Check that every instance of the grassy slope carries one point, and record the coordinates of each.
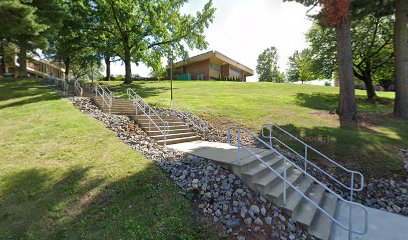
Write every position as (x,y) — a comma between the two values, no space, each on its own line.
(63,175)
(302,109)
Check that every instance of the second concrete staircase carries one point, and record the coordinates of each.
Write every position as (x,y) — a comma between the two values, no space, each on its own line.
(164,129)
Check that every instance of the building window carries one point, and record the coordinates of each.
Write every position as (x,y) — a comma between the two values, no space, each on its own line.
(215,67)
(235,72)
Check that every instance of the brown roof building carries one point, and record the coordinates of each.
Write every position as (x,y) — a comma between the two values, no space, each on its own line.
(211,66)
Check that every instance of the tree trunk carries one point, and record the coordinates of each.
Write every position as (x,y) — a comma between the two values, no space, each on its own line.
(22,60)
(3,59)
(347,109)
(108,68)
(368,81)
(128,67)
(67,63)
(401,59)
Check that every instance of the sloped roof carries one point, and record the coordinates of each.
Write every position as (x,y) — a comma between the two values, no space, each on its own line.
(218,58)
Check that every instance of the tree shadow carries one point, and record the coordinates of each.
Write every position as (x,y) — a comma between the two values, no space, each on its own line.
(358,149)
(140,88)
(32,203)
(29,90)
(143,205)
(329,101)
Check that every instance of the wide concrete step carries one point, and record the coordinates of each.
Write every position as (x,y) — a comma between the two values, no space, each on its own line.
(276,191)
(251,161)
(173,136)
(143,117)
(294,198)
(154,128)
(156,120)
(260,171)
(322,224)
(161,124)
(305,212)
(172,131)
(179,140)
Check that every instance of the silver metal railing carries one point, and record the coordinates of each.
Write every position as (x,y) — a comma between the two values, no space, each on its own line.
(148,111)
(77,87)
(183,109)
(306,160)
(61,83)
(105,95)
(351,204)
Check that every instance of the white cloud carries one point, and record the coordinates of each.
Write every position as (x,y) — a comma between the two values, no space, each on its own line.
(242,29)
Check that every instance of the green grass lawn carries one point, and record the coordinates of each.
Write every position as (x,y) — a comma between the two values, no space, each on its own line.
(302,109)
(63,175)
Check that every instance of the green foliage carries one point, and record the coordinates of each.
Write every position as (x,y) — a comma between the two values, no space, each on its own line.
(145,31)
(301,67)
(267,66)
(322,42)
(371,44)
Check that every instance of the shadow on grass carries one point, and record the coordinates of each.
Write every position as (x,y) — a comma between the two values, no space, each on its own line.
(29,90)
(139,88)
(329,101)
(372,153)
(145,205)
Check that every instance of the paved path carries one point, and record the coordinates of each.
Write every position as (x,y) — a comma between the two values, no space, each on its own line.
(382,225)
(222,153)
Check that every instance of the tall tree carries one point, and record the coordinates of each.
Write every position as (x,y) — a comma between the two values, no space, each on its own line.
(301,66)
(401,58)
(372,37)
(267,66)
(71,45)
(336,13)
(47,18)
(144,31)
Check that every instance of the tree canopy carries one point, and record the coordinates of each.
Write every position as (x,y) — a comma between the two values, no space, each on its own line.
(267,66)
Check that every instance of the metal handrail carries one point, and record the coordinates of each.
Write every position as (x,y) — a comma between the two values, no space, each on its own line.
(148,111)
(285,181)
(306,161)
(106,97)
(77,86)
(175,102)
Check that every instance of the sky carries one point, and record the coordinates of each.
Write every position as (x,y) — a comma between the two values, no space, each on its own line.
(242,29)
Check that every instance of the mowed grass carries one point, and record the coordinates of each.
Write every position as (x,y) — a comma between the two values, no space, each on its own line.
(63,175)
(372,148)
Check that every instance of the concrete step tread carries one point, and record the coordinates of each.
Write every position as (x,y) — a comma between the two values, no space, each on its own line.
(292,176)
(306,211)
(322,225)
(260,168)
(252,159)
(294,198)
(170,131)
(161,124)
(175,135)
(179,140)
(272,176)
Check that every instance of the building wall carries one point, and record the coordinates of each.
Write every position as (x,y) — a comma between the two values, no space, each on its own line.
(197,68)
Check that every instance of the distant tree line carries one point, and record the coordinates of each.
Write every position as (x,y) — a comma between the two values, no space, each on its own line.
(82,33)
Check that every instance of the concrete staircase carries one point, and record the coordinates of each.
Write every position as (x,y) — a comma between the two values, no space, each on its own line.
(260,178)
(178,131)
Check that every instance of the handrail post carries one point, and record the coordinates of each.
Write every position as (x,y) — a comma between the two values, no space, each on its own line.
(305,158)
(352,186)
(284,183)
(229,136)
(239,145)
(270,135)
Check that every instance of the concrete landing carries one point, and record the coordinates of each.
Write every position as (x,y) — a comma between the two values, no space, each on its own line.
(222,153)
(382,225)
